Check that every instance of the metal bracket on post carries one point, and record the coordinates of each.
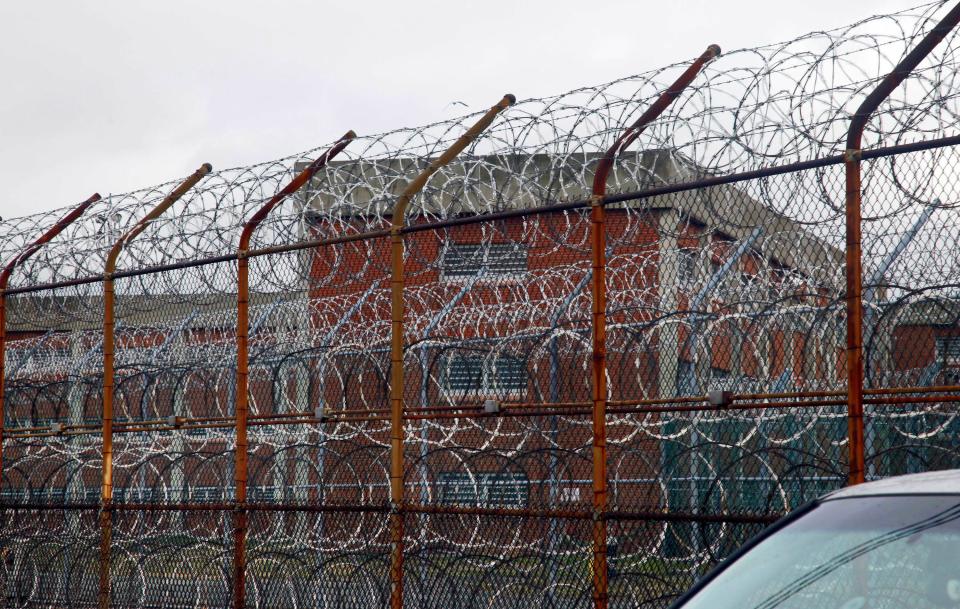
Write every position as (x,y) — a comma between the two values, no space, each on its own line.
(720,397)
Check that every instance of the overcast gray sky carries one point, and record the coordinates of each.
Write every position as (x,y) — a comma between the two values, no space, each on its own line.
(113,95)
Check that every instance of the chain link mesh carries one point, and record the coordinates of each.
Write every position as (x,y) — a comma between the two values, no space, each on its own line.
(716,283)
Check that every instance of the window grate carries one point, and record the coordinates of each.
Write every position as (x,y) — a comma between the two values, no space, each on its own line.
(483,374)
(501,489)
(948,348)
(687,268)
(463,260)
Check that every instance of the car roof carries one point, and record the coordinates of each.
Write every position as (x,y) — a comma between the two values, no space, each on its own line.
(945,482)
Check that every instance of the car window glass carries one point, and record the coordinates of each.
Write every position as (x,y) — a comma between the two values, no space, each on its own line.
(860,553)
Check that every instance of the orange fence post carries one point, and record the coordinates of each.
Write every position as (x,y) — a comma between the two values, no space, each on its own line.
(106,495)
(5,274)
(243,359)
(598,250)
(396,342)
(854,283)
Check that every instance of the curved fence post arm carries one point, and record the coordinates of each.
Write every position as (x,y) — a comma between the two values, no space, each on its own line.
(243,358)
(397,222)
(854,279)
(110,267)
(598,247)
(634,131)
(5,274)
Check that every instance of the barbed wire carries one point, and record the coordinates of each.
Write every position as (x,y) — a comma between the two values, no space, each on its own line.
(734,287)
(782,103)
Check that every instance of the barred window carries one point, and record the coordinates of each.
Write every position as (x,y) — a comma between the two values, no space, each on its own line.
(255,493)
(261,494)
(57,494)
(948,349)
(31,422)
(464,260)
(13,495)
(208,494)
(687,271)
(142,494)
(485,489)
(479,373)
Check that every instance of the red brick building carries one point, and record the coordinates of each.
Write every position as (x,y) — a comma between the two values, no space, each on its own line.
(706,289)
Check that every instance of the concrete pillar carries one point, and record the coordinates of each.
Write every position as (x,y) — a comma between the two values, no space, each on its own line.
(668,347)
(76,393)
(178,444)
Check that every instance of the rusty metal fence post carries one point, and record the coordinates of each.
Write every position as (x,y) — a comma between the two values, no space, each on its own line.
(106,495)
(5,274)
(243,360)
(396,341)
(598,250)
(854,278)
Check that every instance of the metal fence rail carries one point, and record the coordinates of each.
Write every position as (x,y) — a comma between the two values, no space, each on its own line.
(495,360)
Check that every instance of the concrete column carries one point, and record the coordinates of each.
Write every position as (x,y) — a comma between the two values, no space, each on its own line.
(178,444)
(76,392)
(668,347)
(701,365)
(301,402)
(668,339)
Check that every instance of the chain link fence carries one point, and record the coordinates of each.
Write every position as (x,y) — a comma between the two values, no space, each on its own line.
(435,368)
